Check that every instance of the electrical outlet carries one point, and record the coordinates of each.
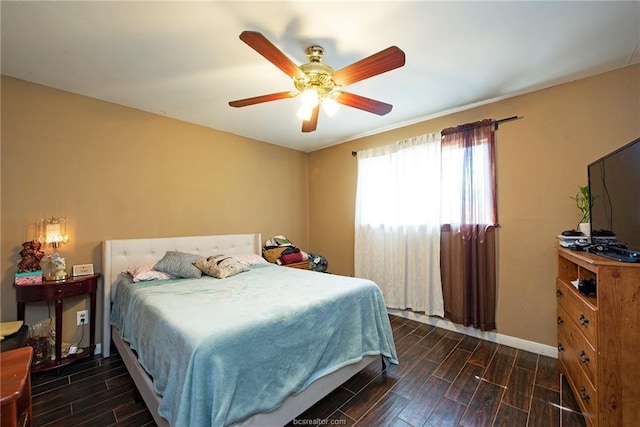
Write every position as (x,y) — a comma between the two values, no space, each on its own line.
(82,317)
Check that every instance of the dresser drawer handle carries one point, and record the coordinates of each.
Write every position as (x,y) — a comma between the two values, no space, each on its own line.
(558,293)
(583,320)
(583,357)
(560,348)
(560,321)
(584,394)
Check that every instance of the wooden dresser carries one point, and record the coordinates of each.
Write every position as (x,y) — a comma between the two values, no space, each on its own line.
(15,383)
(599,337)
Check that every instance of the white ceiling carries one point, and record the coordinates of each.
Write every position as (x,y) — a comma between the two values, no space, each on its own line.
(184,59)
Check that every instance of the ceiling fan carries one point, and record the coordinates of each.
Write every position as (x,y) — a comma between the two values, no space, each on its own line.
(318,84)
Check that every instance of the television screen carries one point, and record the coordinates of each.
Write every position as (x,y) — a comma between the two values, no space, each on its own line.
(614,184)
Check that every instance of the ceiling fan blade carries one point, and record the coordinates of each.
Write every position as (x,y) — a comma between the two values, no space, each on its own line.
(378,63)
(264,47)
(311,124)
(260,99)
(365,104)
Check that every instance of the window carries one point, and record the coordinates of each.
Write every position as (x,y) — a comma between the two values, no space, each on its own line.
(397,227)
(467,184)
(398,185)
(406,192)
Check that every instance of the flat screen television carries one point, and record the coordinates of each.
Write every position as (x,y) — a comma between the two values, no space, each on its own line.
(614,185)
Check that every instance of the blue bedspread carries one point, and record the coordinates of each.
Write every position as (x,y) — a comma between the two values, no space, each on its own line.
(225,349)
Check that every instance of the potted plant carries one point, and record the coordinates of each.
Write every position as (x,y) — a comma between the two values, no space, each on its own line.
(583,202)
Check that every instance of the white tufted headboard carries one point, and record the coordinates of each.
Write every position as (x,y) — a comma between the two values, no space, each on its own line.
(117,255)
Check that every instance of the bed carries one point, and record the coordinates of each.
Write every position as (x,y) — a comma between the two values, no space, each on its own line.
(216,348)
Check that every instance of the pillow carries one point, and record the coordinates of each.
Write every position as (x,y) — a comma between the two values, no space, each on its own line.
(179,264)
(250,259)
(144,276)
(144,272)
(221,266)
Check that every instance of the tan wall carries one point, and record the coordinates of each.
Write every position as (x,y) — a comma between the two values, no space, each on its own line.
(115,172)
(542,159)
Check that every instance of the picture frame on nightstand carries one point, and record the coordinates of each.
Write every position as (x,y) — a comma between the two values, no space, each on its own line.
(82,270)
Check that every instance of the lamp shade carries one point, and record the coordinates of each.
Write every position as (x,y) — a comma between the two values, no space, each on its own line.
(53,231)
(330,106)
(309,98)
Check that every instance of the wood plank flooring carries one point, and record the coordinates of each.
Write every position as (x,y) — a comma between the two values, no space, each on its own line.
(444,379)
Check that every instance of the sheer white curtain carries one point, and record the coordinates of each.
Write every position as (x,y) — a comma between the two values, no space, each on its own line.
(397,226)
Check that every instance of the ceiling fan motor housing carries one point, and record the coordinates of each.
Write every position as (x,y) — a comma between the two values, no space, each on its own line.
(318,76)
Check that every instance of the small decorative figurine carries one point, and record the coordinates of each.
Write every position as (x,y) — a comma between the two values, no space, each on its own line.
(59,267)
(31,256)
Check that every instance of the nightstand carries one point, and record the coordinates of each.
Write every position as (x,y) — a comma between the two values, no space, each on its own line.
(57,291)
(303,265)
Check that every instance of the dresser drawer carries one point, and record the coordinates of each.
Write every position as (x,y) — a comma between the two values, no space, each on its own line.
(575,347)
(74,289)
(51,291)
(582,388)
(578,311)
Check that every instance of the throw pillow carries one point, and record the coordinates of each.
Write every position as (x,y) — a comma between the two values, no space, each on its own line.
(179,264)
(221,266)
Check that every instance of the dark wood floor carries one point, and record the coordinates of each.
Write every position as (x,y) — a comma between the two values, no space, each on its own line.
(444,379)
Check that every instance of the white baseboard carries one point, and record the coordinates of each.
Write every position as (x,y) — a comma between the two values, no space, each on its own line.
(534,347)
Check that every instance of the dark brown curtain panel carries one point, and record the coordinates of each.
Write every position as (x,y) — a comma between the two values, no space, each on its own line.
(468,269)
(468,241)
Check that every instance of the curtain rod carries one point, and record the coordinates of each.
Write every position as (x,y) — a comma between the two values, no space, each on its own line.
(508,119)
(496,123)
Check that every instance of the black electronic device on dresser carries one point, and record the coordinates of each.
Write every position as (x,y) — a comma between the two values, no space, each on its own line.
(614,185)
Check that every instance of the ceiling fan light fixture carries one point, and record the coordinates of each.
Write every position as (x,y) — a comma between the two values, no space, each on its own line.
(316,82)
(304,113)
(330,106)
(309,97)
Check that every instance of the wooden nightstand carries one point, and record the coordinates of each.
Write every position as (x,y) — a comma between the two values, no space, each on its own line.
(57,291)
(303,265)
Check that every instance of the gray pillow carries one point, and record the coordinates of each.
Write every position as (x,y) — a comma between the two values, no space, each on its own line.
(179,264)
